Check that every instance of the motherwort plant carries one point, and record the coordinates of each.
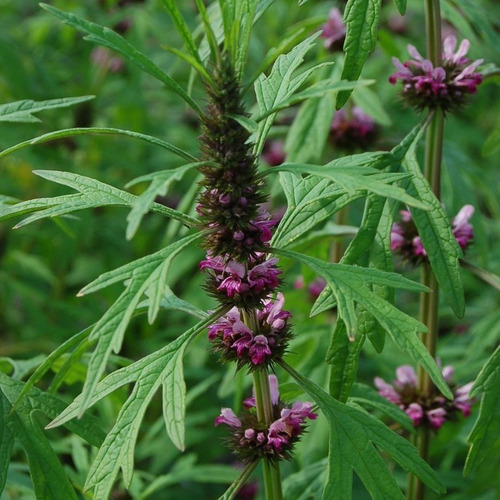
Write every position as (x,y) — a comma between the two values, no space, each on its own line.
(247,254)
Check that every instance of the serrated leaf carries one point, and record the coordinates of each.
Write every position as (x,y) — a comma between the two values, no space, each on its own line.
(22,111)
(107,37)
(160,183)
(485,436)
(355,178)
(309,202)
(149,374)
(367,396)
(343,356)
(348,284)
(22,423)
(92,194)
(437,238)
(279,86)
(69,132)
(352,436)
(361,19)
(145,275)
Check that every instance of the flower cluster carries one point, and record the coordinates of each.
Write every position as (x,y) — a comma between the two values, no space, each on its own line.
(252,439)
(244,285)
(406,241)
(352,129)
(237,342)
(432,411)
(447,86)
(334,31)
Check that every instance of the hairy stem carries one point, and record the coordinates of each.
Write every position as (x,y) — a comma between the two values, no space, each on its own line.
(429,301)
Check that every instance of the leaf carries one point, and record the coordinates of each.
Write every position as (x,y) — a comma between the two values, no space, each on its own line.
(231,492)
(361,19)
(160,183)
(92,193)
(279,86)
(352,436)
(437,238)
(485,436)
(367,396)
(343,357)
(355,178)
(370,103)
(309,202)
(22,111)
(22,424)
(401,5)
(306,483)
(145,275)
(107,37)
(348,284)
(149,373)
(97,131)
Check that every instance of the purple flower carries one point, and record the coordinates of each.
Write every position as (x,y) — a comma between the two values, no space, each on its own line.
(352,129)
(406,242)
(274,153)
(316,287)
(251,439)
(461,228)
(446,86)
(432,411)
(228,417)
(334,30)
(235,341)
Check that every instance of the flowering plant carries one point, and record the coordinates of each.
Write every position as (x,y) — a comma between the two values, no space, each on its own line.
(254,190)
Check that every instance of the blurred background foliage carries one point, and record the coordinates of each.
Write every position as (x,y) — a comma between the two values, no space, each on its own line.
(42,266)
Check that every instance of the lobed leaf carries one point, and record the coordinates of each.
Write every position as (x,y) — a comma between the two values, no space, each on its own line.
(352,436)
(348,285)
(22,111)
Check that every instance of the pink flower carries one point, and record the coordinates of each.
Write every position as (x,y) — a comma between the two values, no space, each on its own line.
(415,412)
(334,30)
(316,287)
(387,391)
(228,417)
(274,153)
(462,400)
(448,86)
(437,417)
(406,376)
(461,228)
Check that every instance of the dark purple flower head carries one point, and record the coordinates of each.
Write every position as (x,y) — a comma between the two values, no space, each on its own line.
(235,341)
(447,86)
(274,153)
(432,411)
(252,439)
(352,129)
(406,242)
(243,285)
(334,31)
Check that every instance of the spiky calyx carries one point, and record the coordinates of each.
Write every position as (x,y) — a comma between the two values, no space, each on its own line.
(228,206)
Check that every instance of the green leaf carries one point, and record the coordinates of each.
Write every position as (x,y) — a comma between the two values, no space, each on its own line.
(370,103)
(352,436)
(361,19)
(309,202)
(22,423)
(279,86)
(348,284)
(485,436)
(22,111)
(307,483)
(367,396)
(59,134)
(401,5)
(354,178)
(343,357)
(149,374)
(107,37)
(92,193)
(160,183)
(437,238)
(182,28)
(145,275)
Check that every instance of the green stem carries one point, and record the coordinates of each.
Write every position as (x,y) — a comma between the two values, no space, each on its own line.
(264,407)
(429,301)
